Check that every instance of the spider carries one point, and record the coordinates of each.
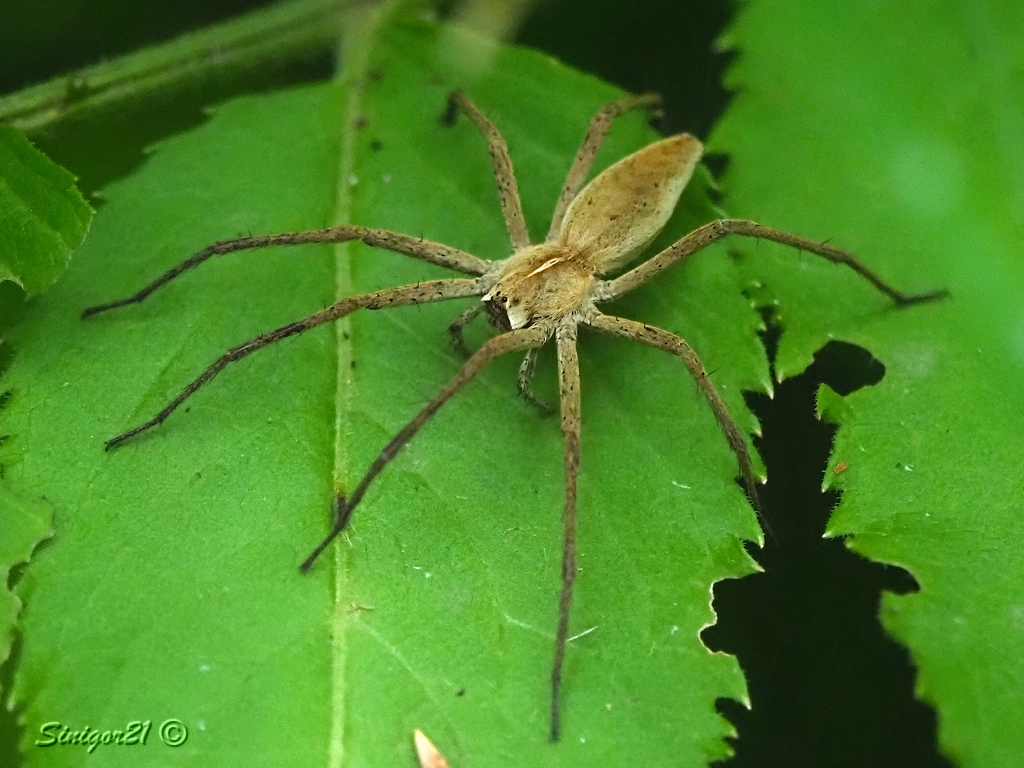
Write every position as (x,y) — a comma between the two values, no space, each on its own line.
(542,291)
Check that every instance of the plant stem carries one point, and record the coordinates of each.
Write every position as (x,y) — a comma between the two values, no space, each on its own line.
(296,29)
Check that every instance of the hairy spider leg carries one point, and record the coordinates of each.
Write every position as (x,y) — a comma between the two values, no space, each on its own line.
(419,293)
(655,337)
(513,341)
(713,231)
(569,392)
(426,250)
(585,155)
(504,176)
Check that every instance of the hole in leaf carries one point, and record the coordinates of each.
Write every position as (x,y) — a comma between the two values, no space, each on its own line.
(827,684)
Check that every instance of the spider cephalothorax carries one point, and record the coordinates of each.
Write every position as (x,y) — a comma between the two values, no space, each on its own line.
(540,282)
(541,291)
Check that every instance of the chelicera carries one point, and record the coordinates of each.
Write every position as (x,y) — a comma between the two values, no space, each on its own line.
(543,291)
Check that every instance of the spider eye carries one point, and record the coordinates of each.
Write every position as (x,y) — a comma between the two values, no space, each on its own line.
(515,302)
(497,314)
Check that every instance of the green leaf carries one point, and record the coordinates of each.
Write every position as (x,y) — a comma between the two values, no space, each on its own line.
(896,135)
(43,216)
(26,523)
(171,589)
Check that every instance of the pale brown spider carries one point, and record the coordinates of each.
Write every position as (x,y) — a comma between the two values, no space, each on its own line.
(541,291)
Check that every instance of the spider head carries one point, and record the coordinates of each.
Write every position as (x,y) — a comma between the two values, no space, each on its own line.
(540,282)
(496,304)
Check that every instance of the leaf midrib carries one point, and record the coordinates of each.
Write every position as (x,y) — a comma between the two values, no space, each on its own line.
(359,40)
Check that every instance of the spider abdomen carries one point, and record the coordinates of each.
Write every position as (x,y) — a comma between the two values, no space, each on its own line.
(624,207)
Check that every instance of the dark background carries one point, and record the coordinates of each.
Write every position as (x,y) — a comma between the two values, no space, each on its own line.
(829,688)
